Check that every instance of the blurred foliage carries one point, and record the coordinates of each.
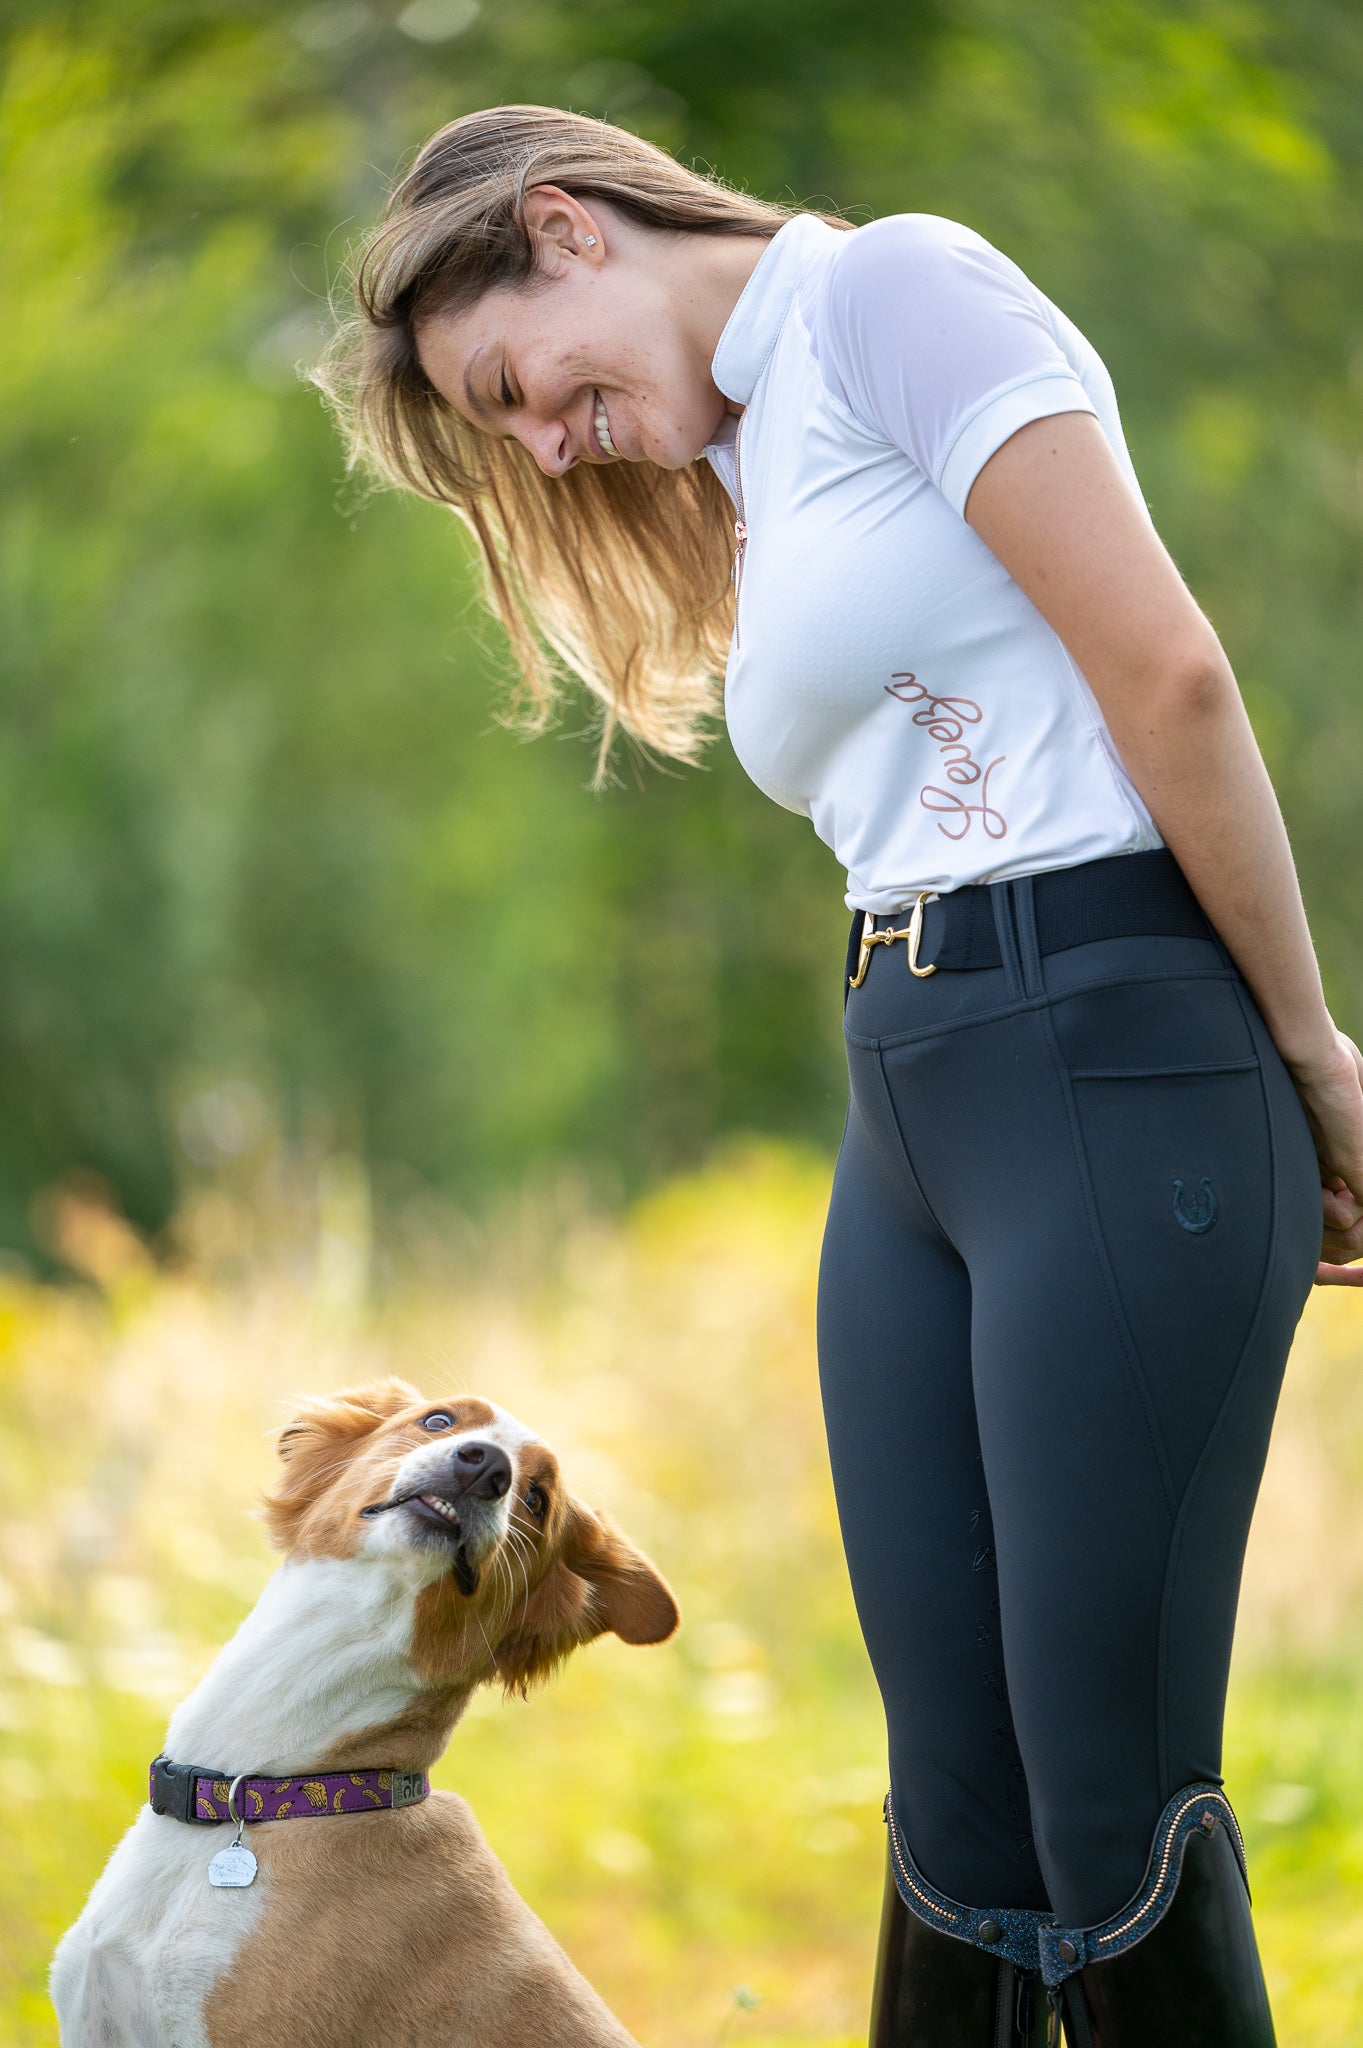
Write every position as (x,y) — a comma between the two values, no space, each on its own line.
(699,1823)
(268,863)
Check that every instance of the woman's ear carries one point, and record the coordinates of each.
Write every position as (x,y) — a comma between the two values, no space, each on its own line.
(560,225)
(630,1597)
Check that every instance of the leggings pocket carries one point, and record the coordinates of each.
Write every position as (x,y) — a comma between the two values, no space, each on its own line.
(1172,1118)
(1189,1024)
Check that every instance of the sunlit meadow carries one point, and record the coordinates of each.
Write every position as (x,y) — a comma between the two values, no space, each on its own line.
(700,1823)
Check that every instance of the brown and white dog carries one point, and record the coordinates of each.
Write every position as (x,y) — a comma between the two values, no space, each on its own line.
(472,1563)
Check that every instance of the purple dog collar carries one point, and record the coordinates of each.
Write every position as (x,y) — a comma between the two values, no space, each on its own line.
(190,1792)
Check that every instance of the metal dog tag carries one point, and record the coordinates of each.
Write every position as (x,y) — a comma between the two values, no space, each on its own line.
(233,1865)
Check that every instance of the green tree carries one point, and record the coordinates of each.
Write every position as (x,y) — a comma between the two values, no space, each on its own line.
(260,823)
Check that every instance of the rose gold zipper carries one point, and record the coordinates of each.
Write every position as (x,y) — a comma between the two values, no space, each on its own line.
(740,527)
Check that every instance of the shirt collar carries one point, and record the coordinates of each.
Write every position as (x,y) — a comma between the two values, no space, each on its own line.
(751,330)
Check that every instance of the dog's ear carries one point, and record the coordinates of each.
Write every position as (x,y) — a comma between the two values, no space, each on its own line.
(599,1584)
(314,1444)
(342,1417)
(629,1596)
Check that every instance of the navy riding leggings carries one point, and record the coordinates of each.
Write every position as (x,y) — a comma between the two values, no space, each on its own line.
(1075,1218)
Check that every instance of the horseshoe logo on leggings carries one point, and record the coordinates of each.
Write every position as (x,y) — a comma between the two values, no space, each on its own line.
(1196,1212)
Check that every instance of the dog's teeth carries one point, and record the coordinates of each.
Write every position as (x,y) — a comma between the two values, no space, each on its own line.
(442,1507)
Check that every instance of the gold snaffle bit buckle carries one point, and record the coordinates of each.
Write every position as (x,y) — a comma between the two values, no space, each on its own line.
(912,933)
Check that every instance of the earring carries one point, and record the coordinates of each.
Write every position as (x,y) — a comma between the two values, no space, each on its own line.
(591,241)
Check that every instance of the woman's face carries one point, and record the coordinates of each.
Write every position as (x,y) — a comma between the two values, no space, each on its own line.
(607,359)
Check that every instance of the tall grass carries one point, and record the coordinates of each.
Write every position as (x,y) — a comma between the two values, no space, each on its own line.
(700,1823)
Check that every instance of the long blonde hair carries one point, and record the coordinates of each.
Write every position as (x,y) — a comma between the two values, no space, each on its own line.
(617,573)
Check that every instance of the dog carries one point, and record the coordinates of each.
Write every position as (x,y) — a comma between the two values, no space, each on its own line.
(428,1548)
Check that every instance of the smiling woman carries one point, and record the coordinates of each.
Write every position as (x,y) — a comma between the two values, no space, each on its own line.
(607,354)
(528,350)
(1078,1206)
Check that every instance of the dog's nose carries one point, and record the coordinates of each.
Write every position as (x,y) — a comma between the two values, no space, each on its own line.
(484,1470)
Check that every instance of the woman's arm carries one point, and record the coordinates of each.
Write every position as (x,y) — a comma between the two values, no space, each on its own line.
(1053,505)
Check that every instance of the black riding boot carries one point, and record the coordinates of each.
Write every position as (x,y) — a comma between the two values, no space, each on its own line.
(938,1990)
(1179,1966)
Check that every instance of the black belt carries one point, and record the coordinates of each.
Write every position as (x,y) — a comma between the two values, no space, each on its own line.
(1125,896)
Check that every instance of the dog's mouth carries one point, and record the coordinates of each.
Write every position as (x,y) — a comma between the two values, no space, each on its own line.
(444,1515)
(433,1507)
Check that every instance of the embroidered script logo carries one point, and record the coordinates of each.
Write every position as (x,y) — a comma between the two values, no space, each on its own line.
(944,719)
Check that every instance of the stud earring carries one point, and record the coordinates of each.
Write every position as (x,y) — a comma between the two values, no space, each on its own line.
(591,241)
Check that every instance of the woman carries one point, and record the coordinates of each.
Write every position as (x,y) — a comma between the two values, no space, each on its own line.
(1078,1205)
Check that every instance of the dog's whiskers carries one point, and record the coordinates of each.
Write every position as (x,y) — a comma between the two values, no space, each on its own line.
(483,1633)
(524,1556)
(498,1573)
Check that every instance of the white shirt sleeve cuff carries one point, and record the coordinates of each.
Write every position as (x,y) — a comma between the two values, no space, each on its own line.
(996,419)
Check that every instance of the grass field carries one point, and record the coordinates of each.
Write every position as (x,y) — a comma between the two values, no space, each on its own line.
(699,1824)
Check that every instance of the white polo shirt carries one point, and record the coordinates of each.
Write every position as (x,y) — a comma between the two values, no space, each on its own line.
(886,677)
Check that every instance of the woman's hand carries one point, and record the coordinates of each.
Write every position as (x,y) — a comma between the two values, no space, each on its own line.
(1332,1096)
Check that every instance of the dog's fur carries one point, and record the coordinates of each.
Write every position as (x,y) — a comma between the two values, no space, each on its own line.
(393,1929)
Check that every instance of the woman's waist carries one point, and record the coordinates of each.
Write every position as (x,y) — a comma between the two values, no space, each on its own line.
(980,951)
(1127,895)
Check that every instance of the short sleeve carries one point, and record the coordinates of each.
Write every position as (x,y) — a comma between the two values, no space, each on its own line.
(934,338)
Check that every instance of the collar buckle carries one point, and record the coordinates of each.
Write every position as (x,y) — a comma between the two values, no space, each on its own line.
(172,1788)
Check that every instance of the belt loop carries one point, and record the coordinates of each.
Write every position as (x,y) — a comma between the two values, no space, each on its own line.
(853,949)
(1001,903)
(1029,948)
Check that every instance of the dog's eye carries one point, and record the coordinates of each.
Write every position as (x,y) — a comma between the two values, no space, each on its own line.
(535,1500)
(437,1421)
